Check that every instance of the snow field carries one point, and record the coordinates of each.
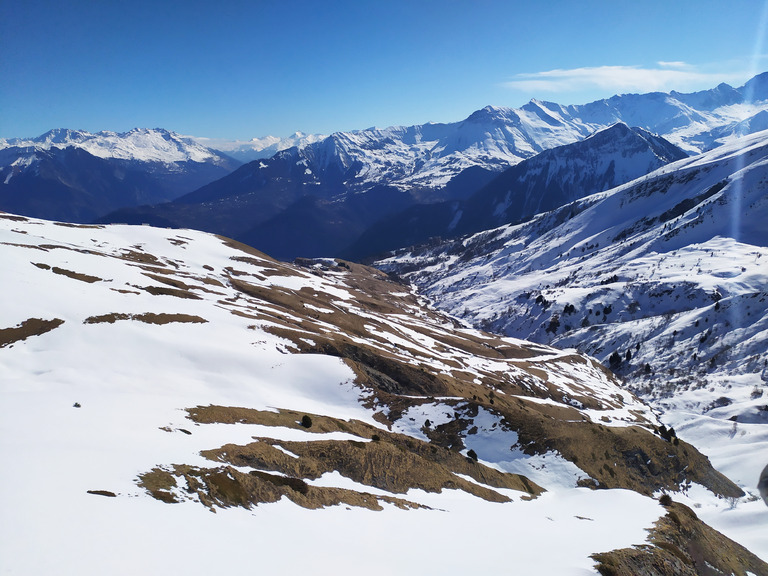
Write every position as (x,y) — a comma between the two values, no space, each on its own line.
(132,381)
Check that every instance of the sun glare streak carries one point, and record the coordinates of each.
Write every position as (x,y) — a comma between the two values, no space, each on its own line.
(762,25)
(738,182)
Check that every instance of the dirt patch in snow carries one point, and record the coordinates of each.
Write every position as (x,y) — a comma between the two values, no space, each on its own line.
(225,487)
(69,273)
(163,291)
(147,318)
(29,327)
(6,216)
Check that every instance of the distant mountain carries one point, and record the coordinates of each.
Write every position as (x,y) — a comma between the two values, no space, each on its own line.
(425,162)
(550,179)
(164,375)
(664,279)
(77,176)
(258,148)
(142,144)
(696,122)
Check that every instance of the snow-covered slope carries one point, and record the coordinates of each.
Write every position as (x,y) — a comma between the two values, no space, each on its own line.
(546,181)
(150,376)
(665,279)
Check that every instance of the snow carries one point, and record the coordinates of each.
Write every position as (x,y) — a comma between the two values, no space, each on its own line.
(684,294)
(132,382)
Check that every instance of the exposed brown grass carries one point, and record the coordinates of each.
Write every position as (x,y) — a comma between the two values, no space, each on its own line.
(14,218)
(163,291)
(83,226)
(226,487)
(147,318)
(103,493)
(76,275)
(389,461)
(681,545)
(29,327)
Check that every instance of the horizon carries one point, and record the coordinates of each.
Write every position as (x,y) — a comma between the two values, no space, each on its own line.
(251,69)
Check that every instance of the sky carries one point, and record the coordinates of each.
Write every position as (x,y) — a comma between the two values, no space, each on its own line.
(236,69)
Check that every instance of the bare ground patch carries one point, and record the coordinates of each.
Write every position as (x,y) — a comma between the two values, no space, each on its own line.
(147,318)
(29,327)
(76,275)
(163,291)
(12,217)
(680,544)
(380,459)
(224,487)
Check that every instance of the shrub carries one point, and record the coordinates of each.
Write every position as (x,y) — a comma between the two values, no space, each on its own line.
(554,324)
(665,500)
(376,438)
(472,454)
(306,421)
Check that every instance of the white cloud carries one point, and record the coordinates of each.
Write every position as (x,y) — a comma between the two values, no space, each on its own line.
(667,76)
(678,64)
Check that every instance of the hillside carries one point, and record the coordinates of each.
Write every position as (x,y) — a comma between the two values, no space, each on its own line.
(162,375)
(662,279)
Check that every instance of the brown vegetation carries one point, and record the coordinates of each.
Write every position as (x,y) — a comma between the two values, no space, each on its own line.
(681,545)
(29,327)
(147,318)
(380,459)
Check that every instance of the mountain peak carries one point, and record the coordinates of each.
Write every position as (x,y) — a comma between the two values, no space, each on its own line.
(756,89)
(490,114)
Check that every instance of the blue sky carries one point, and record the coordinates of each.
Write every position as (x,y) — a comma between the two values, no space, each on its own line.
(243,69)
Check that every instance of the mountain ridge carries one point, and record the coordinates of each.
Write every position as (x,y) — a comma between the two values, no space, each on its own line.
(422,161)
(554,177)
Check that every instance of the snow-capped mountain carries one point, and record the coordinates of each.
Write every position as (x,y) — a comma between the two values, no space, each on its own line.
(77,176)
(429,163)
(696,122)
(258,148)
(165,374)
(664,279)
(550,179)
(142,144)
(428,156)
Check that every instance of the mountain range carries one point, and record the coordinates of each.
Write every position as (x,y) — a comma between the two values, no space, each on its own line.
(321,198)
(76,176)
(554,177)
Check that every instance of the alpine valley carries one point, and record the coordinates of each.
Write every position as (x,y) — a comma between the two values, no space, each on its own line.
(556,365)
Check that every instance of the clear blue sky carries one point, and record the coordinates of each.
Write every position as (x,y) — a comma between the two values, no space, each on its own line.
(241,69)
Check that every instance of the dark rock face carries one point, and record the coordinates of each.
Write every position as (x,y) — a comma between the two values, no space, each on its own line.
(762,485)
